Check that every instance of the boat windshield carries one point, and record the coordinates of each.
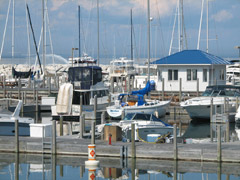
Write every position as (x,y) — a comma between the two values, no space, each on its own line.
(129,116)
(145,117)
(221,92)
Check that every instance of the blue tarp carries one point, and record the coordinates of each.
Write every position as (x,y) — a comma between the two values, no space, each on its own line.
(143,91)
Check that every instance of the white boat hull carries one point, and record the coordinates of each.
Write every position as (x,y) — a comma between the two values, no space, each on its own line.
(160,107)
(199,108)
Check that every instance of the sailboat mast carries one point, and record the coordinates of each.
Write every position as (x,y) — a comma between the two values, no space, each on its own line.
(207,29)
(43,35)
(98,32)
(79,36)
(131,36)
(13,28)
(148,18)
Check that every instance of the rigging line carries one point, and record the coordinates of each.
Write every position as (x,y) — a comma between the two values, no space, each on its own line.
(28,38)
(200,26)
(50,38)
(173,31)
(5,28)
(34,39)
(160,25)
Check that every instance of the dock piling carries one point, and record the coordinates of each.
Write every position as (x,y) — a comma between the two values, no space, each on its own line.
(95,107)
(54,144)
(16,136)
(36,101)
(81,103)
(175,150)
(93,132)
(219,149)
(61,125)
(133,140)
(81,127)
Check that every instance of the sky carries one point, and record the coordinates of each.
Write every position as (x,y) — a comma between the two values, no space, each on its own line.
(115,29)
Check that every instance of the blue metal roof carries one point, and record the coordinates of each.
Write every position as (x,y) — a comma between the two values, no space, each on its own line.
(191,57)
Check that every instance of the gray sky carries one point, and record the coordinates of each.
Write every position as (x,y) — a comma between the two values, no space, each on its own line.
(224,26)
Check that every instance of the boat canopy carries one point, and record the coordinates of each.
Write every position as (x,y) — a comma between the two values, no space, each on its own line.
(149,86)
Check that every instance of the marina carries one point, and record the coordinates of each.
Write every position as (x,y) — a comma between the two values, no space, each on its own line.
(118,106)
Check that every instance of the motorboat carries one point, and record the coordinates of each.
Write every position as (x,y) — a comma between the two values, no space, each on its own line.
(135,102)
(145,124)
(7,120)
(199,107)
(81,83)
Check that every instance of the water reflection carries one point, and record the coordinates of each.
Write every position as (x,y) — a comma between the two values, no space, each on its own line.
(32,167)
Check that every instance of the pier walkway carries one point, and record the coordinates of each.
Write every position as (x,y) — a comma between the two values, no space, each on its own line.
(72,145)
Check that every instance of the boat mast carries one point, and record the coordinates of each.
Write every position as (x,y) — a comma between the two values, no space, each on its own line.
(207,29)
(98,32)
(13,28)
(5,28)
(131,36)
(200,26)
(79,35)
(148,18)
(43,35)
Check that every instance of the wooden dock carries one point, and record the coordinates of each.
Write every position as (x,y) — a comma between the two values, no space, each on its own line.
(72,145)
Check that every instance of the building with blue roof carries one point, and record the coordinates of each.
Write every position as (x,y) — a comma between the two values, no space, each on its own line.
(190,70)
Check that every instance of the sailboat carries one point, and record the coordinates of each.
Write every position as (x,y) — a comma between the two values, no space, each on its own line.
(135,102)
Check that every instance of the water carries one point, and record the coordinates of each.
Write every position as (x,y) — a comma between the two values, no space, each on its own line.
(30,167)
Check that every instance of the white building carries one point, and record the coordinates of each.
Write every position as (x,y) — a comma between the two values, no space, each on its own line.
(189,71)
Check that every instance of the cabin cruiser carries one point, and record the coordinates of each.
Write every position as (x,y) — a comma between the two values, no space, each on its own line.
(145,124)
(7,119)
(85,81)
(199,107)
(135,102)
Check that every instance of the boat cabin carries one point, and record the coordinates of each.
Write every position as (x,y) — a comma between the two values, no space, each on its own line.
(83,77)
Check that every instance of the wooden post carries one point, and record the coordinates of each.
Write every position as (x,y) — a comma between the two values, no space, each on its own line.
(95,107)
(29,81)
(83,122)
(49,85)
(36,101)
(180,127)
(16,136)
(93,132)
(57,79)
(81,104)
(19,88)
(197,87)
(22,102)
(175,150)
(133,140)
(123,114)
(54,142)
(81,127)
(211,119)
(219,149)
(227,132)
(109,99)
(4,86)
(103,118)
(136,84)
(102,122)
(180,89)
(112,85)
(175,114)
(34,89)
(163,89)
(61,125)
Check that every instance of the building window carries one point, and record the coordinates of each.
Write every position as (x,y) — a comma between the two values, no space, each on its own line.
(172,74)
(204,75)
(191,74)
(221,74)
(159,72)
